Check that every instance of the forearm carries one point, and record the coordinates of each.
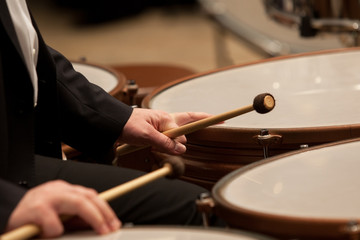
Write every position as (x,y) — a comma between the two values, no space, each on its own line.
(91,118)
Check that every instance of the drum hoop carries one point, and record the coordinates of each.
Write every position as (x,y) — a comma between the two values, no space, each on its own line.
(146,101)
(121,78)
(330,226)
(307,135)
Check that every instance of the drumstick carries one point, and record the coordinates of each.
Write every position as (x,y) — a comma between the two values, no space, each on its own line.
(262,103)
(172,168)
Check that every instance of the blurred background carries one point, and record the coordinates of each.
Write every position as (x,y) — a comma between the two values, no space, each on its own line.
(200,35)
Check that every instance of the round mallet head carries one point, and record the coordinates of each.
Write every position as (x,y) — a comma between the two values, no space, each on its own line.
(177,166)
(264,103)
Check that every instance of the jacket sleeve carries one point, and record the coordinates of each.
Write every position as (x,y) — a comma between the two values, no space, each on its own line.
(91,119)
(10,197)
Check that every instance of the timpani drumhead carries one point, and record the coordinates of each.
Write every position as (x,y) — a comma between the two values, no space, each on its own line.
(109,80)
(312,193)
(319,90)
(169,233)
(317,102)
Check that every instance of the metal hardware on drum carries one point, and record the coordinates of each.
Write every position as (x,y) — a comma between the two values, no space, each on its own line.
(265,139)
(205,205)
(131,91)
(304,146)
(265,133)
(353,230)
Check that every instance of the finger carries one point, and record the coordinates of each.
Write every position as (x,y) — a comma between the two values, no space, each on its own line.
(181,139)
(165,144)
(80,205)
(51,226)
(187,117)
(109,215)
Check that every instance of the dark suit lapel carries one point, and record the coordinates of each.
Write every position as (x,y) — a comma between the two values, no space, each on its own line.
(3,127)
(9,26)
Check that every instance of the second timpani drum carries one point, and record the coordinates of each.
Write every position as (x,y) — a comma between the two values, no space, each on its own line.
(307,194)
(317,101)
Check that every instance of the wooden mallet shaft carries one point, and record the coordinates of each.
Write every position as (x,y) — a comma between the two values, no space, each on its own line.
(31,230)
(122,189)
(262,103)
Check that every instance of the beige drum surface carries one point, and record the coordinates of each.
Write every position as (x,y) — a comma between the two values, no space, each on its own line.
(168,233)
(310,91)
(311,193)
(317,101)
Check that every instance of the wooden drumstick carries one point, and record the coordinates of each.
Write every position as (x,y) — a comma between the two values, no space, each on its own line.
(263,103)
(172,168)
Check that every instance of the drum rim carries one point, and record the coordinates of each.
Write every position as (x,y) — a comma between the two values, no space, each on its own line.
(309,226)
(120,77)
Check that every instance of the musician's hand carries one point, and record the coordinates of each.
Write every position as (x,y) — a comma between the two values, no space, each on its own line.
(144,127)
(42,206)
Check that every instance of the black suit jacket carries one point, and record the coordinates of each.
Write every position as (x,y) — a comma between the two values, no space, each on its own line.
(69,109)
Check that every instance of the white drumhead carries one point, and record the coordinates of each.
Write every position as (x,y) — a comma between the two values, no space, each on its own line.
(167,233)
(310,91)
(96,75)
(321,183)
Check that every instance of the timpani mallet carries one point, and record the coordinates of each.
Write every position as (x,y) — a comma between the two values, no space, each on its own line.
(263,103)
(173,167)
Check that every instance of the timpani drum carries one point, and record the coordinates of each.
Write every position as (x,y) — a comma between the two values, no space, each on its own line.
(317,97)
(168,233)
(108,79)
(307,194)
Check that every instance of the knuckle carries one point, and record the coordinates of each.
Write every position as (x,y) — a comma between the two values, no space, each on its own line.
(78,201)
(169,143)
(92,193)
